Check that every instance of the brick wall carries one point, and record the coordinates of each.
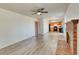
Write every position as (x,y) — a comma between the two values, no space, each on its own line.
(75,22)
(78,38)
(69,36)
(71,28)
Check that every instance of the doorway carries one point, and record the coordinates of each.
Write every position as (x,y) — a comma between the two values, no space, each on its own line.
(36,28)
(55,28)
(49,27)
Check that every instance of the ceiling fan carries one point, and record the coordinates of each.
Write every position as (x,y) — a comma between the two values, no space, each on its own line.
(39,11)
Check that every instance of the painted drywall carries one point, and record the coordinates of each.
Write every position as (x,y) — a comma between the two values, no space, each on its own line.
(40,29)
(78,39)
(45,26)
(64,29)
(15,27)
(72,12)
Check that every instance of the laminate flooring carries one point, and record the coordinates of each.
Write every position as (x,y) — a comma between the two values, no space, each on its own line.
(47,44)
(63,48)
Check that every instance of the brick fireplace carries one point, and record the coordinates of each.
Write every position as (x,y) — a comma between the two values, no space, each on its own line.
(71,28)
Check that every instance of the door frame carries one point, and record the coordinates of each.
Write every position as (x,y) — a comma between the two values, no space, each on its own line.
(36,28)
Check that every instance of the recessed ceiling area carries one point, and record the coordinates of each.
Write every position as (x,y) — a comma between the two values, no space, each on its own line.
(54,9)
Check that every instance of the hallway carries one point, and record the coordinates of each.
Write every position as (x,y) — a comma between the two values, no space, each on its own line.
(48,44)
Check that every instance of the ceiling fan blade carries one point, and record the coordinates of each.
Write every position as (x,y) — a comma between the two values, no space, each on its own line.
(42,8)
(39,10)
(44,12)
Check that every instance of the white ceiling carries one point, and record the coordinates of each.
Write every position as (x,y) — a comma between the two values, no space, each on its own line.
(54,9)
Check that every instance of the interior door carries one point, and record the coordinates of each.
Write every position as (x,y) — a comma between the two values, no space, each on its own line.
(36,28)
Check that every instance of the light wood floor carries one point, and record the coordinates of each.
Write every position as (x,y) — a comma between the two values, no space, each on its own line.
(41,45)
(63,48)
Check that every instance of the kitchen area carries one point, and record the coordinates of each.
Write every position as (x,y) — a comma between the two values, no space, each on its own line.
(56,27)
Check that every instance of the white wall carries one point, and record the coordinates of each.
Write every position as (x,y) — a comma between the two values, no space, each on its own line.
(40,26)
(65,30)
(15,27)
(72,12)
(45,26)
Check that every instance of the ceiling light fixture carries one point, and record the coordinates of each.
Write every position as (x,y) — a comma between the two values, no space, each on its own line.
(39,13)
